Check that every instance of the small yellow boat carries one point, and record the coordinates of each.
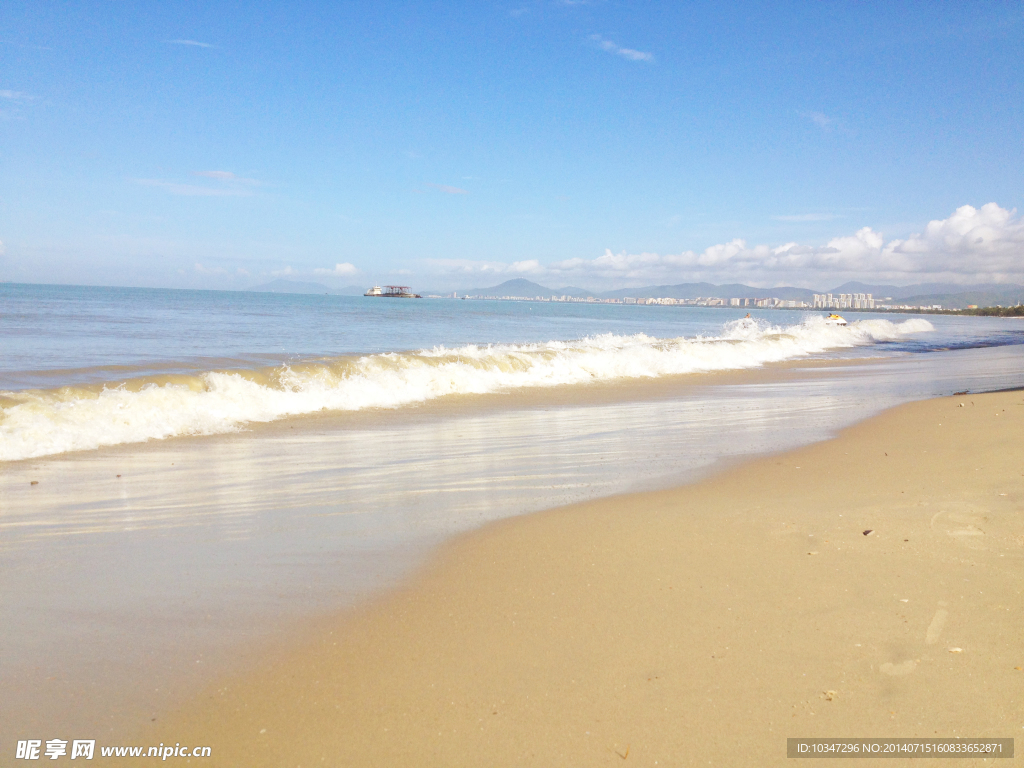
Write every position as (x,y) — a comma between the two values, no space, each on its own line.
(835,320)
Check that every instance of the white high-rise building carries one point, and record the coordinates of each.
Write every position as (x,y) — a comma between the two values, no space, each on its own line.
(844,301)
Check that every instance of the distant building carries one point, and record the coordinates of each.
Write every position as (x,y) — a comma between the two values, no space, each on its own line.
(844,301)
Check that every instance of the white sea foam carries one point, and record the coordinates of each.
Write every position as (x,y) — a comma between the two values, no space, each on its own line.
(41,423)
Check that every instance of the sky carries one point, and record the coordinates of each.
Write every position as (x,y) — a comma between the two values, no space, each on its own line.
(571,142)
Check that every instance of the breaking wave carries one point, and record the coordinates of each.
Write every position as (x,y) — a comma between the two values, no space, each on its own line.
(45,422)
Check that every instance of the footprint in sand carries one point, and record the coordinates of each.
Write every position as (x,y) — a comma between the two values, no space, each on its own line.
(935,628)
(958,523)
(898,670)
(931,637)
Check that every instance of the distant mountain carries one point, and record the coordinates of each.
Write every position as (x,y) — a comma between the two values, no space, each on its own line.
(526,288)
(517,287)
(704,290)
(691,291)
(570,290)
(296,286)
(898,293)
(1005,295)
(350,290)
(949,295)
(290,286)
(878,291)
(921,289)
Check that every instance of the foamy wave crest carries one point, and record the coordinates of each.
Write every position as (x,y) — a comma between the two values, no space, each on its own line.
(40,423)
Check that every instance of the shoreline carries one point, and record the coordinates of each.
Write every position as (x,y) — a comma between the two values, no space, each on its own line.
(707,621)
(534,398)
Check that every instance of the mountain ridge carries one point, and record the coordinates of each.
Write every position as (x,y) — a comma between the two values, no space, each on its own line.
(520,286)
(281,285)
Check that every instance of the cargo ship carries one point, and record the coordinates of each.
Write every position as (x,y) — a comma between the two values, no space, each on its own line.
(393,292)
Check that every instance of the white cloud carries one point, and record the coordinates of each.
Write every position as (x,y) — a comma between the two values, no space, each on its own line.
(973,245)
(808,217)
(528,267)
(227,177)
(448,190)
(820,119)
(987,240)
(14,103)
(340,270)
(193,190)
(466,266)
(228,185)
(626,53)
(220,175)
(194,43)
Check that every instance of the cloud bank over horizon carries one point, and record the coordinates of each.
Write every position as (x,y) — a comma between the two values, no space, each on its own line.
(973,245)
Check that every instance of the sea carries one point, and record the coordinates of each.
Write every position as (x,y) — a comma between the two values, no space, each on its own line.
(186,476)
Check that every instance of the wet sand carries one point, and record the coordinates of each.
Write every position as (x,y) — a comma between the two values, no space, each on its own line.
(136,575)
(871,585)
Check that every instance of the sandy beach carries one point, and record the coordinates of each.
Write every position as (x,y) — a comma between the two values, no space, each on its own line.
(867,586)
(692,433)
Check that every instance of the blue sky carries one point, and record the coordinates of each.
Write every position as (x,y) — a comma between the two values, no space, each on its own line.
(445,145)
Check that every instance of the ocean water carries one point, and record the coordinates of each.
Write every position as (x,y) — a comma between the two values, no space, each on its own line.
(211,468)
(85,368)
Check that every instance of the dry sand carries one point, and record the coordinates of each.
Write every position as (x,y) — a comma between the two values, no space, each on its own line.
(698,626)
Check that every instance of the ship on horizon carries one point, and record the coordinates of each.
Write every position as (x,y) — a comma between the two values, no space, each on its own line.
(393,292)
